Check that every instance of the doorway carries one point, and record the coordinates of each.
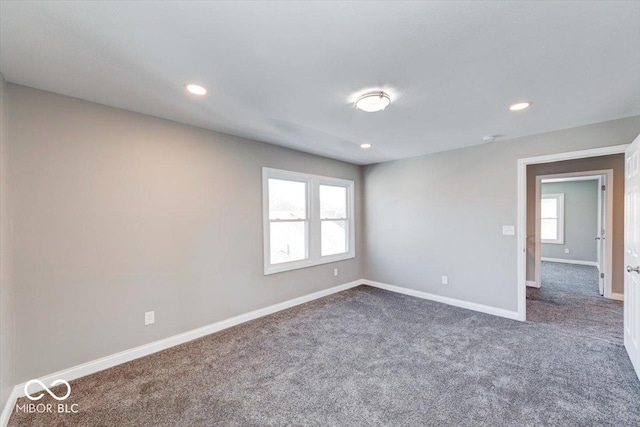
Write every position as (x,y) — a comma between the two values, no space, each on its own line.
(625,263)
(573,221)
(571,162)
(574,224)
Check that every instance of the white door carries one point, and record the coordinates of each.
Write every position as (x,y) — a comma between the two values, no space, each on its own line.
(632,254)
(600,237)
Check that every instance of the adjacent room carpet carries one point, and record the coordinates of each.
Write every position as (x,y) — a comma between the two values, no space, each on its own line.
(569,299)
(367,357)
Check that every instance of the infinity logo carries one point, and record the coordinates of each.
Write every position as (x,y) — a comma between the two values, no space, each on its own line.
(52,394)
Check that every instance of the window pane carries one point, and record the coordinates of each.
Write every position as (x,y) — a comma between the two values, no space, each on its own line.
(549,229)
(333,202)
(334,237)
(549,208)
(287,199)
(287,241)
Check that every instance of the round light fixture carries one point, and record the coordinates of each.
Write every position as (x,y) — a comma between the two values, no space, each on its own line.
(520,106)
(195,89)
(373,101)
(365,146)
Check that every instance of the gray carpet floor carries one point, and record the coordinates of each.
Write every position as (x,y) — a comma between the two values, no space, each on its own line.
(569,299)
(367,357)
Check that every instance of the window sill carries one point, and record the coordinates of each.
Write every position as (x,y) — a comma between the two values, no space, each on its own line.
(295,265)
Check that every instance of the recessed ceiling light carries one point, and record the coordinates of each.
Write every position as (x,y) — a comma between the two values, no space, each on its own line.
(373,101)
(488,138)
(195,89)
(365,145)
(520,106)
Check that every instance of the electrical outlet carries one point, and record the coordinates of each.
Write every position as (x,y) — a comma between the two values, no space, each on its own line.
(566,251)
(445,280)
(335,271)
(149,318)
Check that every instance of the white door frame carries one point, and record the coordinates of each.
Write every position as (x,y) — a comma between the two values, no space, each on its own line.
(521,282)
(603,177)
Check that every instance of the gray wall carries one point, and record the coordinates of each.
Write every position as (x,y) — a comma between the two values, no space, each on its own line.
(7,324)
(580,221)
(117,213)
(442,214)
(615,162)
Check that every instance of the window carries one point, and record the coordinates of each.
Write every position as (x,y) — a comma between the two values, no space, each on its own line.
(308,220)
(552,218)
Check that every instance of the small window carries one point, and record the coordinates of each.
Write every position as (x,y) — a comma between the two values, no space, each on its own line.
(288,222)
(308,220)
(334,223)
(552,219)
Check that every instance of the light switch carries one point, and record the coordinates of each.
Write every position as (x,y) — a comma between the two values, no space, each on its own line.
(509,230)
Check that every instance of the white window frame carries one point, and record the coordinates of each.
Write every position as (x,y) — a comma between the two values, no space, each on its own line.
(560,203)
(313,236)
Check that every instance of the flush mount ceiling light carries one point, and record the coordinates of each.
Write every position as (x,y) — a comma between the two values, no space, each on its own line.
(195,89)
(520,106)
(365,146)
(373,101)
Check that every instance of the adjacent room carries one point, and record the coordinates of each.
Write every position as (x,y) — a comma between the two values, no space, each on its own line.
(319,213)
(578,246)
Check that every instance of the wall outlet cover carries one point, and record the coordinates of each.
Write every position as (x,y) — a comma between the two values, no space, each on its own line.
(335,271)
(149,318)
(566,251)
(445,280)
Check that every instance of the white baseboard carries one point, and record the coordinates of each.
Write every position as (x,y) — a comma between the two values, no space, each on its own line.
(532,284)
(616,296)
(8,407)
(446,300)
(570,261)
(156,346)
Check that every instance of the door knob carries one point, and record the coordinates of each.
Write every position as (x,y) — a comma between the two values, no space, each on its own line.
(597,238)
(629,269)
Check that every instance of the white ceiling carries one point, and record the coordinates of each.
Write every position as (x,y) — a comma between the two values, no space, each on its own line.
(286,73)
